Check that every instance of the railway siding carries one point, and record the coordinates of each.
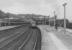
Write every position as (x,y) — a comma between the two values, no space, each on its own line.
(20,38)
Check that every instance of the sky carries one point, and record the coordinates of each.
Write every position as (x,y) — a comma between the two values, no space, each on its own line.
(44,7)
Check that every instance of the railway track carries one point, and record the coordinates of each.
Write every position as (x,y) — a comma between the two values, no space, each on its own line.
(20,38)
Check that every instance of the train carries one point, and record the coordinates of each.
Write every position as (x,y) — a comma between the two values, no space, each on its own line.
(12,22)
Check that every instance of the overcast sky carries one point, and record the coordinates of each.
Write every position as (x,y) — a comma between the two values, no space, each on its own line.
(44,7)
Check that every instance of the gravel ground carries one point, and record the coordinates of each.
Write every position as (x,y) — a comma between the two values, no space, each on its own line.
(6,27)
(20,38)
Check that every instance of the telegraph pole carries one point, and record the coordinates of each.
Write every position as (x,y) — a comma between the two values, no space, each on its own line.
(64,5)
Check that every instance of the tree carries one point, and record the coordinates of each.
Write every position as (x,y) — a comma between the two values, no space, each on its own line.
(3,15)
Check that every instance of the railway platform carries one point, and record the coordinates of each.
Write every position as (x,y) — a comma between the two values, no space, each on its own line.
(55,39)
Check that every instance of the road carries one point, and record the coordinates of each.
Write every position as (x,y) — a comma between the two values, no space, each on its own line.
(20,38)
(54,40)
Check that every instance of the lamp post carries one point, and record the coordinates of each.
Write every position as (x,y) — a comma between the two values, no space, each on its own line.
(55,17)
(49,20)
(64,5)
